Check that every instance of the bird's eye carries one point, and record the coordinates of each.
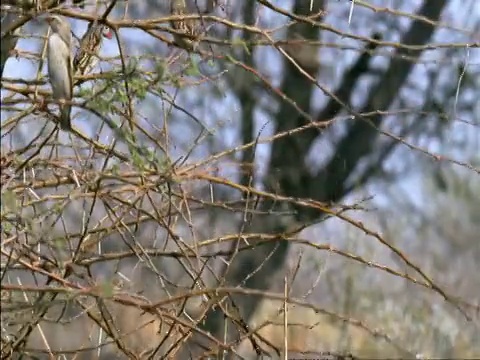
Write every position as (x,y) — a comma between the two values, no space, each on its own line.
(107,32)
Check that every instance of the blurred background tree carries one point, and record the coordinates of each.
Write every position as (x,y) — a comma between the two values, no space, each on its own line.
(322,154)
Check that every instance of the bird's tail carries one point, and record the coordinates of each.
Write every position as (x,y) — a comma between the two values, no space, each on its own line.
(65,123)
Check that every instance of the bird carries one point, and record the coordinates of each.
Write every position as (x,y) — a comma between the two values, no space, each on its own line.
(190,27)
(60,66)
(304,53)
(86,57)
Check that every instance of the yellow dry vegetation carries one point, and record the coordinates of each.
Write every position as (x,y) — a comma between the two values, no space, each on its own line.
(312,332)
(140,332)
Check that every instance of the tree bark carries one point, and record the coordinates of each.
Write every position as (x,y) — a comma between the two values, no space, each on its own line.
(289,176)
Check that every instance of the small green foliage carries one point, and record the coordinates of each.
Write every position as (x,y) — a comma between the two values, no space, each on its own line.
(160,70)
(150,154)
(59,243)
(138,87)
(176,81)
(102,101)
(9,202)
(164,164)
(193,69)
(230,58)
(7,227)
(57,208)
(131,66)
(137,159)
(121,95)
(84,92)
(240,43)
(106,289)
(115,169)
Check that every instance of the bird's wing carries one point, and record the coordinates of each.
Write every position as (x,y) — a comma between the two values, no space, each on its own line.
(70,72)
(60,67)
(89,44)
(66,36)
(69,59)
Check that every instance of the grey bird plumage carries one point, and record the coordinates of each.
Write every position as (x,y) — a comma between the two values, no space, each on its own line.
(60,66)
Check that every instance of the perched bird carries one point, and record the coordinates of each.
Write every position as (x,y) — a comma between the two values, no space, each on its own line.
(86,56)
(189,27)
(60,66)
(304,53)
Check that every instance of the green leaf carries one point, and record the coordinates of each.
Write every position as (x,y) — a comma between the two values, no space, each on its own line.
(115,169)
(240,42)
(9,202)
(193,69)
(107,289)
